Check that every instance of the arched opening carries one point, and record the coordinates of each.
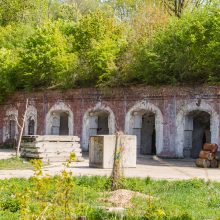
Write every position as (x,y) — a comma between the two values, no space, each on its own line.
(64,126)
(144,129)
(31,122)
(98,124)
(31,126)
(102,123)
(99,120)
(196,132)
(145,120)
(60,124)
(148,134)
(205,117)
(59,120)
(12,130)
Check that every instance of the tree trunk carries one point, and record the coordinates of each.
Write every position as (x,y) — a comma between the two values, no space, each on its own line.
(22,130)
(117,169)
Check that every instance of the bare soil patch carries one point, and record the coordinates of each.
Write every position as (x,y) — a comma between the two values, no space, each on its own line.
(122,197)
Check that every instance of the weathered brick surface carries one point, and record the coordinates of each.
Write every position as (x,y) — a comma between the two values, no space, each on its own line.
(170,101)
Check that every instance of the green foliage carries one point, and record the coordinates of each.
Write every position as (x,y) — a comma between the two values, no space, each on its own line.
(101,183)
(66,197)
(6,63)
(73,10)
(98,41)
(51,44)
(13,36)
(14,163)
(45,60)
(63,196)
(10,204)
(124,9)
(186,51)
(23,11)
(51,198)
(12,40)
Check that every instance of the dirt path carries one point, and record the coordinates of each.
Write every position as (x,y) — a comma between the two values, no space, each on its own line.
(155,168)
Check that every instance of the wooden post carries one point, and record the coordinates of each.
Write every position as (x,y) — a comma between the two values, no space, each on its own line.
(22,129)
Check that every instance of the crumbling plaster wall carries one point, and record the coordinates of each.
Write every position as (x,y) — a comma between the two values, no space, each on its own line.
(170,101)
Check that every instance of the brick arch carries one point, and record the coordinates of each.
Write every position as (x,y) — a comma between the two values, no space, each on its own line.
(60,107)
(147,107)
(180,124)
(11,114)
(31,114)
(99,107)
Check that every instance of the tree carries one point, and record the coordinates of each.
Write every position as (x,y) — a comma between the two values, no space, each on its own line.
(186,51)
(6,64)
(141,29)
(23,11)
(98,41)
(73,10)
(69,43)
(177,7)
(14,36)
(147,20)
(125,9)
(46,60)
(12,39)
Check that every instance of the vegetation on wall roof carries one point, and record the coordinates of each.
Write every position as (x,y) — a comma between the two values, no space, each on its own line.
(88,43)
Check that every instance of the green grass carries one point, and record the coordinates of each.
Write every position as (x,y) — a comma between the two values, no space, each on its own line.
(14,163)
(174,200)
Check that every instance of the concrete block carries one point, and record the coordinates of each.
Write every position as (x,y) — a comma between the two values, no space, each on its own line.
(102,150)
(52,138)
(50,146)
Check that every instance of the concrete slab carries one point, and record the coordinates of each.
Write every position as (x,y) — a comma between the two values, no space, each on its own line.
(102,150)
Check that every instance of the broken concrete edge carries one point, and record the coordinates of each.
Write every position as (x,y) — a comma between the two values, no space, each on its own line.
(51,147)
(52,138)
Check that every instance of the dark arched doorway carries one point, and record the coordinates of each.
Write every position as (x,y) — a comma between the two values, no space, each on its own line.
(196,133)
(60,124)
(31,125)
(144,129)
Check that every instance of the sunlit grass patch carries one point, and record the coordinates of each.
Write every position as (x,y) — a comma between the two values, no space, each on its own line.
(15,163)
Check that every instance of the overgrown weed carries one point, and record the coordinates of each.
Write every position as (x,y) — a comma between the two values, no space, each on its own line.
(66,197)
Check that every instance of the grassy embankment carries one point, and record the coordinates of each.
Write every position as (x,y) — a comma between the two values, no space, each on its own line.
(191,199)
